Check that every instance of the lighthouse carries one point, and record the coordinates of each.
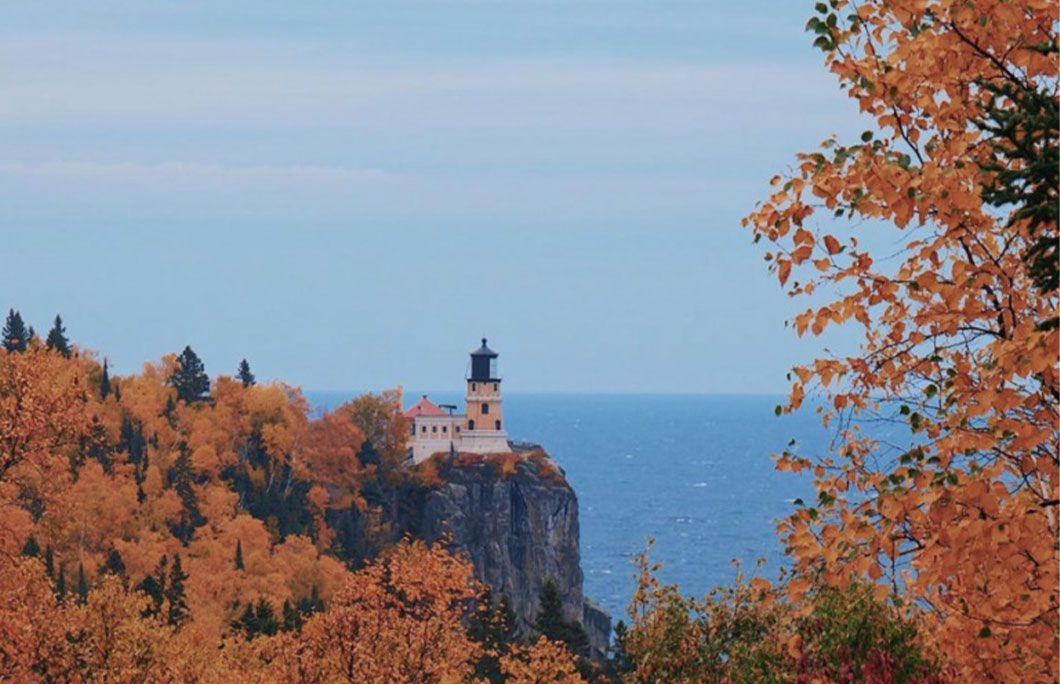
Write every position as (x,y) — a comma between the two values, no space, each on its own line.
(483,431)
(479,430)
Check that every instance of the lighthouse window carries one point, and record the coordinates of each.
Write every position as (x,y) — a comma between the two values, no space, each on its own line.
(473,387)
(494,387)
(497,424)
(485,409)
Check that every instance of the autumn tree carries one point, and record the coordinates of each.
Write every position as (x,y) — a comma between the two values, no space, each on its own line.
(16,336)
(959,337)
(244,374)
(57,340)
(189,377)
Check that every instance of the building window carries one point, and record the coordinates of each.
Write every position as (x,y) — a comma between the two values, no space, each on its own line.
(473,387)
(434,428)
(412,430)
(445,429)
(424,429)
(457,428)
(494,387)
(470,425)
(485,409)
(497,423)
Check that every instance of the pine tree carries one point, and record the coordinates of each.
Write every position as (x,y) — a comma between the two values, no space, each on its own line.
(244,375)
(31,548)
(104,383)
(60,583)
(154,586)
(16,336)
(114,565)
(189,378)
(181,478)
(247,623)
(49,561)
(266,618)
(178,604)
(550,621)
(239,555)
(292,619)
(57,340)
(82,583)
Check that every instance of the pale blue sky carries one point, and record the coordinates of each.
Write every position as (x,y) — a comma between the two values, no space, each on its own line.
(350,194)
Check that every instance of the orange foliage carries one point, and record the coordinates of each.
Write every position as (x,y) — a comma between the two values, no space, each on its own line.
(544,662)
(964,522)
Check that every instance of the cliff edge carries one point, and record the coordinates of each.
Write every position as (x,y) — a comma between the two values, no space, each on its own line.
(518,522)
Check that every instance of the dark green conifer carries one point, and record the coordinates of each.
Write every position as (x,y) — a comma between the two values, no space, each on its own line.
(239,554)
(49,561)
(292,619)
(57,340)
(551,624)
(16,336)
(104,382)
(154,586)
(60,583)
(114,564)
(31,548)
(82,583)
(189,378)
(244,375)
(178,604)
(247,622)
(265,617)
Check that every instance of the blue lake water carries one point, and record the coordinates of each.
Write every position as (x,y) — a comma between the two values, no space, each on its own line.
(692,471)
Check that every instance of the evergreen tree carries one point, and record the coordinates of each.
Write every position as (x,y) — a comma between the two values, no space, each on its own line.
(104,382)
(154,586)
(181,478)
(189,378)
(114,565)
(16,336)
(60,583)
(49,561)
(82,583)
(551,624)
(178,605)
(57,340)
(247,623)
(619,663)
(244,375)
(239,554)
(292,619)
(265,617)
(31,548)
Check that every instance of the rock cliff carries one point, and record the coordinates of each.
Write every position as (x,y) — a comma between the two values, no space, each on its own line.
(520,529)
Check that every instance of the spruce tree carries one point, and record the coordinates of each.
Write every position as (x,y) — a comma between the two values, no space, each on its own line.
(550,622)
(154,586)
(31,548)
(239,554)
(189,378)
(244,375)
(265,617)
(57,340)
(104,382)
(292,619)
(114,565)
(49,561)
(178,604)
(60,583)
(247,623)
(82,583)
(16,336)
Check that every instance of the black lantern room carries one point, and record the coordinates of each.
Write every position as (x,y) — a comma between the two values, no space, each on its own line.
(484,364)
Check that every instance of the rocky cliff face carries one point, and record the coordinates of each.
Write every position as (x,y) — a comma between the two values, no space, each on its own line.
(520,530)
